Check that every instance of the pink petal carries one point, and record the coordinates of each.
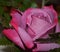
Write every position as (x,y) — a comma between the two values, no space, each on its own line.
(58,27)
(17,18)
(35,11)
(46,46)
(24,18)
(53,14)
(39,25)
(25,37)
(44,31)
(13,36)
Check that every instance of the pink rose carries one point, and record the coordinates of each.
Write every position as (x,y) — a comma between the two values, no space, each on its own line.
(32,24)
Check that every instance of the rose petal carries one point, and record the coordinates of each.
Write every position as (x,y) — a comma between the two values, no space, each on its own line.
(25,37)
(46,46)
(58,27)
(40,26)
(36,28)
(53,14)
(13,36)
(17,18)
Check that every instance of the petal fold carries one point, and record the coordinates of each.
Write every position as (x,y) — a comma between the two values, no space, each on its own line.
(26,38)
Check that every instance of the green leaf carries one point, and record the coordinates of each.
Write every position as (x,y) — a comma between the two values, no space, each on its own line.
(33,5)
(55,50)
(59,19)
(1,10)
(5,20)
(55,35)
(54,38)
(5,41)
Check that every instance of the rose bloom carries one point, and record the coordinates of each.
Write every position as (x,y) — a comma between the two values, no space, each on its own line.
(32,24)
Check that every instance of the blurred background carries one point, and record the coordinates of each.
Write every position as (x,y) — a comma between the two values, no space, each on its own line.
(6,5)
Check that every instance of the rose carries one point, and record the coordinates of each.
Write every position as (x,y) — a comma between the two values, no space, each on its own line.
(32,24)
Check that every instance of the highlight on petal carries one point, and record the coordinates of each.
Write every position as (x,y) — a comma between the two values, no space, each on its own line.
(46,46)
(13,36)
(14,24)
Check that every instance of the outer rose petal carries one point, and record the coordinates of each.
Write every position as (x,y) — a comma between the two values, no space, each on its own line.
(46,46)
(53,14)
(17,17)
(24,36)
(13,36)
